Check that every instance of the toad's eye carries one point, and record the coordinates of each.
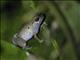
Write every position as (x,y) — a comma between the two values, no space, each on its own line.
(28,27)
(37,19)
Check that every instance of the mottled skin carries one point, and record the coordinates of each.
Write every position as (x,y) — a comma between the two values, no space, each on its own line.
(28,31)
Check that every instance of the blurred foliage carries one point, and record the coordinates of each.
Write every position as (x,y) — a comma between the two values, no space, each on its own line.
(10,52)
(61,43)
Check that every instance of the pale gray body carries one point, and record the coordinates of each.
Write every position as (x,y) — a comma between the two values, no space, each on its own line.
(28,31)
